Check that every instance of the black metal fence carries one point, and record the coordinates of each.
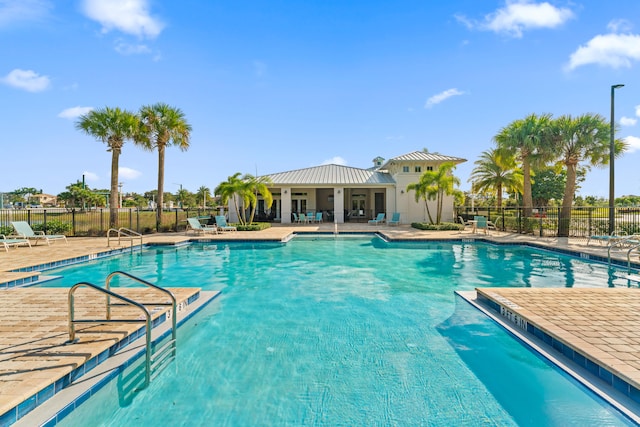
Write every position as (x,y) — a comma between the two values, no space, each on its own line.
(544,221)
(95,222)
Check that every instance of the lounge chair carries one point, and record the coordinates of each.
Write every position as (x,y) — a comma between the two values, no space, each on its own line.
(318,217)
(379,219)
(221,222)
(483,224)
(463,222)
(295,217)
(194,225)
(395,219)
(24,231)
(8,242)
(302,218)
(607,238)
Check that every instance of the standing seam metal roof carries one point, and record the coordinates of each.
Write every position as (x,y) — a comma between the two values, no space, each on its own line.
(331,175)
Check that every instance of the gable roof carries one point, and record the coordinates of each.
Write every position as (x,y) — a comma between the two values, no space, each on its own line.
(331,175)
(422,156)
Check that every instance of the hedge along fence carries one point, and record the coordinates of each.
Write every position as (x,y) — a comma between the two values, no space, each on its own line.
(95,222)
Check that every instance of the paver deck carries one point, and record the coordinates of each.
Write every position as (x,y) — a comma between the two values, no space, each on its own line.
(34,330)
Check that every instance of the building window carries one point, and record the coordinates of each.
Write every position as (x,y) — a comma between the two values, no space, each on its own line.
(429,168)
(418,169)
(405,169)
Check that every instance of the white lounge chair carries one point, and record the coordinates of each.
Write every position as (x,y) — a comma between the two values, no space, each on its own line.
(24,231)
(8,242)
(194,225)
(221,222)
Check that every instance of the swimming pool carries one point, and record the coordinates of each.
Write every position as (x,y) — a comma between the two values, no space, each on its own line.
(348,331)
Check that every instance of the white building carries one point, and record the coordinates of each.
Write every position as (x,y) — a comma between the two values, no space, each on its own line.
(345,194)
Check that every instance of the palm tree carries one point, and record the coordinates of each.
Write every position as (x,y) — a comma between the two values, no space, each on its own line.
(161,126)
(529,141)
(435,185)
(497,171)
(232,188)
(113,127)
(257,185)
(203,194)
(582,139)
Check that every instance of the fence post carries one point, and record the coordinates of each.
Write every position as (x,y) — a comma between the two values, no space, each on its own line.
(101,220)
(176,228)
(73,221)
(138,219)
(130,219)
(44,220)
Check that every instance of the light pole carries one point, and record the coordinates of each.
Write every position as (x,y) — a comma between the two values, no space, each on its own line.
(612,153)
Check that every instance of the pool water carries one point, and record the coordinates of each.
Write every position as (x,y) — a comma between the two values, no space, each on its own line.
(347,331)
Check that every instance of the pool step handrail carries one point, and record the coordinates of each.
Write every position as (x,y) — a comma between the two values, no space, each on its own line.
(631,249)
(167,351)
(123,233)
(633,240)
(110,294)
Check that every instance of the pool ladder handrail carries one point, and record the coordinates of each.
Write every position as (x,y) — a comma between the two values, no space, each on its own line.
(151,359)
(123,234)
(168,349)
(633,239)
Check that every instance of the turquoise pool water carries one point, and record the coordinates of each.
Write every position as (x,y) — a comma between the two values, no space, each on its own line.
(347,331)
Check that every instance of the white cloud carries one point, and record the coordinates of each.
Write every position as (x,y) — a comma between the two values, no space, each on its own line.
(633,143)
(74,112)
(619,26)
(18,11)
(613,50)
(124,48)
(638,110)
(520,15)
(128,173)
(337,160)
(628,121)
(129,16)
(438,98)
(90,176)
(27,80)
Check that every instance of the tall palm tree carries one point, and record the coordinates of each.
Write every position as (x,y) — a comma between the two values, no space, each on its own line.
(113,127)
(435,185)
(162,126)
(496,171)
(203,194)
(530,141)
(585,138)
(257,185)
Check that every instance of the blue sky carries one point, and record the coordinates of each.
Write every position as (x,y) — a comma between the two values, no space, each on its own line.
(281,85)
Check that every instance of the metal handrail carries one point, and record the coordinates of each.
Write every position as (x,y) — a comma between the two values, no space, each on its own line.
(636,246)
(621,242)
(110,294)
(125,233)
(173,302)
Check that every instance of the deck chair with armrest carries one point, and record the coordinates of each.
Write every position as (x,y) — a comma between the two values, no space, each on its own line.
(395,219)
(379,219)
(7,242)
(482,223)
(221,222)
(24,231)
(193,224)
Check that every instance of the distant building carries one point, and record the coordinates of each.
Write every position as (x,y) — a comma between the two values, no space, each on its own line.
(346,193)
(45,200)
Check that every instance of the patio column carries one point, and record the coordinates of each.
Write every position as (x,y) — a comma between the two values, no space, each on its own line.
(338,205)
(285,205)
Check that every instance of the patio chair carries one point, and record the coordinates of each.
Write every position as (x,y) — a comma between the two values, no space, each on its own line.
(221,222)
(8,242)
(482,223)
(24,231)
(302,218)
(379,219)
(194,225)
(395,219)
(607,238)
(318,217)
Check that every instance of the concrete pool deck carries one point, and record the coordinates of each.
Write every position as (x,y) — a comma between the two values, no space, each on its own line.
(598,322)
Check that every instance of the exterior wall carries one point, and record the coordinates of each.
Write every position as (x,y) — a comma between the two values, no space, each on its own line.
(285,209)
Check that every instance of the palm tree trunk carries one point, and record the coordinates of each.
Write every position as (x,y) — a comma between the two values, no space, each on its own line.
(567,201)
(160,186)
(527,201)
(426,203)
(499,198)
(113,196)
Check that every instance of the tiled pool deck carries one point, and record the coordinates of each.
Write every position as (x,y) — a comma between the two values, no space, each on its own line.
(596,325)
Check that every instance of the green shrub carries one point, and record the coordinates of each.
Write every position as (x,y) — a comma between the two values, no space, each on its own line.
(256,226)
(53,227)
(6,230)
(439,227)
